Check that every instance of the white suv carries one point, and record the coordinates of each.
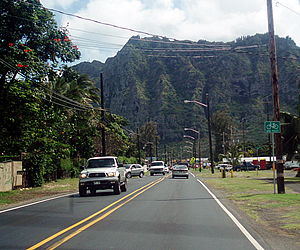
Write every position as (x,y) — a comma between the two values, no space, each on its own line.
(157,167)
(104,172)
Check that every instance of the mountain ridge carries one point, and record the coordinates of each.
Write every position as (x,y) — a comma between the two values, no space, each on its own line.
(149,79)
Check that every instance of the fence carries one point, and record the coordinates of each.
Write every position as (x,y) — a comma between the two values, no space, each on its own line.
(10,175)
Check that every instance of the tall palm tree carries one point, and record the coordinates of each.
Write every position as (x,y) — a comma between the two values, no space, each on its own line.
(234,155)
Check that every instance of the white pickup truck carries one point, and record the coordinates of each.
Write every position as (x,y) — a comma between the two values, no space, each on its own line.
(104,172)
(157,167)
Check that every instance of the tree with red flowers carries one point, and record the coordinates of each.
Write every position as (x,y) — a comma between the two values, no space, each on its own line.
(31,42)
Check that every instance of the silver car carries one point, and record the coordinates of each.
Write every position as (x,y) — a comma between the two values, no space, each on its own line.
(134,170)
(180,171)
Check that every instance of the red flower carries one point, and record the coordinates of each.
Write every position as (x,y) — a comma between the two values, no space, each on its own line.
(10,44)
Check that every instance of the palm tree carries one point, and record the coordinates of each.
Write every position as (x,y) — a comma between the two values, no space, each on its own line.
(234,155)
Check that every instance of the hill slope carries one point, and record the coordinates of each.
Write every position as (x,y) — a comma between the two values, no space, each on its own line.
(150,78)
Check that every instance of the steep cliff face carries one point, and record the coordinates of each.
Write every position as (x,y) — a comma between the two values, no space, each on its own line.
(149,80)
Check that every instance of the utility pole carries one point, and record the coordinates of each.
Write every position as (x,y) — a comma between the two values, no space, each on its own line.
(269,137)
(156,152)
(209,132)
(102,115)
(275,94)
(165,154)
(223,134)
(243,122)
(138,144)
(151,151)
(199,152)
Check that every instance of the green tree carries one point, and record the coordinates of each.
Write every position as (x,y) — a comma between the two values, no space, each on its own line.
(234,155)
(148,137)
(221,123)
(30,41)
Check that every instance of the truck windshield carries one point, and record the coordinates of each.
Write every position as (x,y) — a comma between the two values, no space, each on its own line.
(157,164)
(100,163)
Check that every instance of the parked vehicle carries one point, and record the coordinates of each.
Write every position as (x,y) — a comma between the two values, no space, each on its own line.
(134,170)
(291,164)
(180,171)
(227,167)
(157,167)
(104,172)
(246,167)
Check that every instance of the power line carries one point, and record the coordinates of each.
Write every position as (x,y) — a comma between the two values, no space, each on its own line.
(76,105)
(278,3)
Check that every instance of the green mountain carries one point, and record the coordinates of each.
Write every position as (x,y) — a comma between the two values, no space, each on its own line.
(149,79)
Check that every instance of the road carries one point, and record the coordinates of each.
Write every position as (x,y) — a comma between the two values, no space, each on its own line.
(157,212)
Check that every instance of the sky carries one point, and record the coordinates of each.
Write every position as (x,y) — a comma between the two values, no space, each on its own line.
(211,20)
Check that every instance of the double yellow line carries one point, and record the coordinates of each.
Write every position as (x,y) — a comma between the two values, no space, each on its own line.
(132,195)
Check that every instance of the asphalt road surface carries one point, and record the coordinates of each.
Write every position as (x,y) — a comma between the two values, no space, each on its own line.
(156,212)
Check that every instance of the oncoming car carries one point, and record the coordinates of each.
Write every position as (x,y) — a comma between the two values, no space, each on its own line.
(157,167)
(134,170)
(180,171)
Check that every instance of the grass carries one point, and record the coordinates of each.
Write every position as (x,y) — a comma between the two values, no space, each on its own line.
(48,189)
(254,193)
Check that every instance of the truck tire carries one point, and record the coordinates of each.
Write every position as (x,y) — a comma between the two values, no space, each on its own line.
(117,188)
(82,191)
(124,186)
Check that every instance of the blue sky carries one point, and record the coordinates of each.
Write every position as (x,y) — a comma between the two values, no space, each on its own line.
(212,20)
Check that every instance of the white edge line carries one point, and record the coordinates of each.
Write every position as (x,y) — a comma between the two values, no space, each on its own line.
(34,203)
(231,216)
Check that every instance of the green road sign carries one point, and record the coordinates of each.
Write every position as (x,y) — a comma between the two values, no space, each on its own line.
(272,127)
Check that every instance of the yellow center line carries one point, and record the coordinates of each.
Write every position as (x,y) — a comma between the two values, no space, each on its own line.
(151,184)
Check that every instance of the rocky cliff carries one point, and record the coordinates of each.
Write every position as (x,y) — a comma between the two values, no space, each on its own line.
(150,78)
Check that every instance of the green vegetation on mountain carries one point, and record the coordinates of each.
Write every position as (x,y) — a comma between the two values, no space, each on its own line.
(149,79)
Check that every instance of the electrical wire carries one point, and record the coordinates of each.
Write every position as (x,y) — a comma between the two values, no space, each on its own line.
(76,105)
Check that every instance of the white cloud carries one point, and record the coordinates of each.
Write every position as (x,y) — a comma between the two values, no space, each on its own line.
(64,4)
(212,20)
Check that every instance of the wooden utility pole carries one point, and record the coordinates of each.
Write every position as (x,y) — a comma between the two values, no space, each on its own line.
(275,94)
(138,144)
(209,134)
(269,137)
(199,152)
(102,116)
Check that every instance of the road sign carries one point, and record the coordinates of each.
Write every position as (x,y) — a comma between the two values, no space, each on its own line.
(192,160)
(272,127)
